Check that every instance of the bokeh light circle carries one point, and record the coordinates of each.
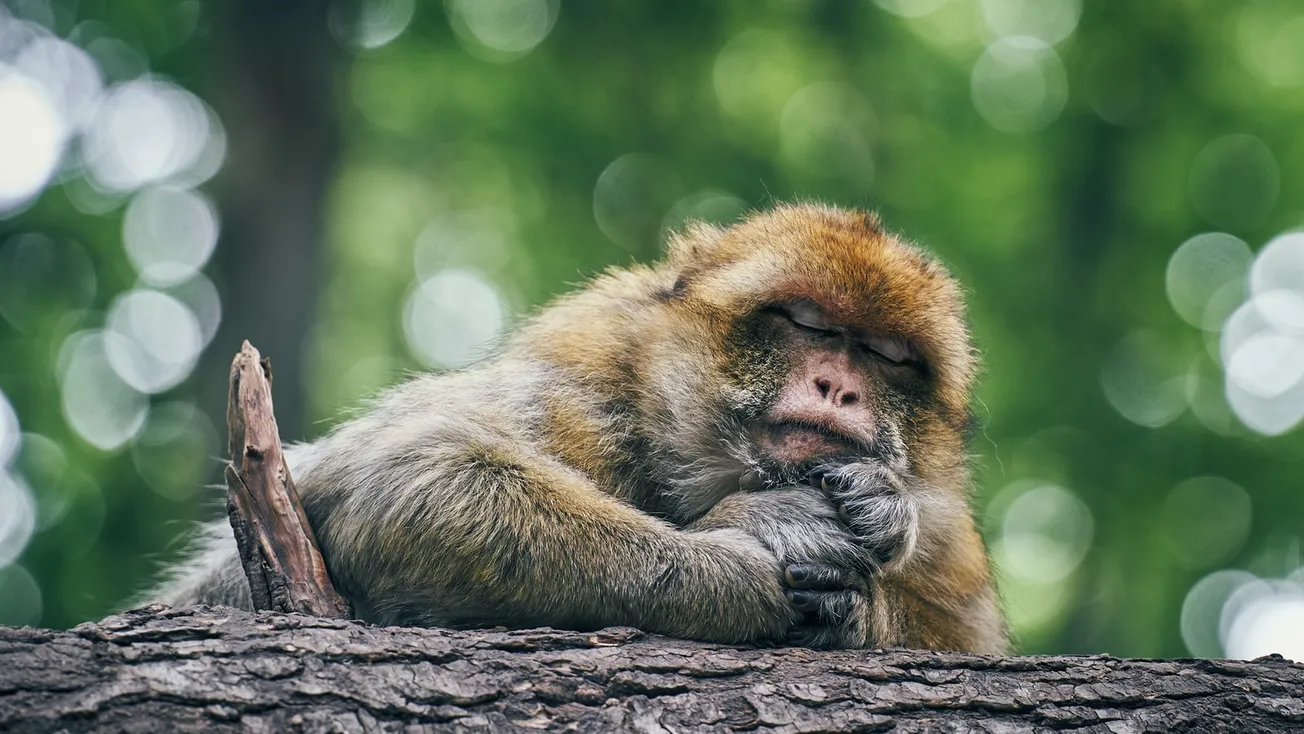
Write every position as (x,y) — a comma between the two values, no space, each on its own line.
(32,137)
(629,198)
(101,407)
(1202,610)
(1234,181)
(755,75)
(158,340)
(371,23)
(1264,617)
(1269,38)
(1019,85)
(67,74)
(9,431)
(17,518)
(452,319)
(1206,520)
(201,297)
(711,206)
(1205,278)
(502,30)
(146,131)
(1262,351)
(1045,534)
(1280,265)
(1140,384)
(169,234)
(478,239)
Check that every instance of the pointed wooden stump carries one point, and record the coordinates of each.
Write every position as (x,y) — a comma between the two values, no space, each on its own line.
(277,546)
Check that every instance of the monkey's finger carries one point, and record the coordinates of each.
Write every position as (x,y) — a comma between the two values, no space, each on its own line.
(823,477)
(818,576)
(825,607)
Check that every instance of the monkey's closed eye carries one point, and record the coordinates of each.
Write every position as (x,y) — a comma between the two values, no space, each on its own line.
(890,348)
(805,315)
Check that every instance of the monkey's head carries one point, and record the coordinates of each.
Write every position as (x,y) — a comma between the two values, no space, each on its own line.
(816,337)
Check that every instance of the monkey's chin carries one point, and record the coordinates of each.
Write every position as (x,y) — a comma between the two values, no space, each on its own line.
(790,443)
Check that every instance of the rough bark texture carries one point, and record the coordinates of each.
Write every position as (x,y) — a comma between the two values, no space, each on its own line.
(277,546)
(217,669)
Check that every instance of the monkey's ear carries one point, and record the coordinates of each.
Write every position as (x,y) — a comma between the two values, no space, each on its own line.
(692,244)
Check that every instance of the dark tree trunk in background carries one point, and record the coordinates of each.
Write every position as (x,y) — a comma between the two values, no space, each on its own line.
(276,71)
(216,669)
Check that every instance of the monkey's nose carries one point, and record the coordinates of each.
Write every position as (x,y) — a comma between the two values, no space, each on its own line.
(834,392)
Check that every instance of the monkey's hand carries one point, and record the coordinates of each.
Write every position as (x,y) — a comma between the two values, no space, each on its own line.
(824,566)
(878,507)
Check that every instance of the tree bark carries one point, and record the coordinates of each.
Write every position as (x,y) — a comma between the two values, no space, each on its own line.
(218,669)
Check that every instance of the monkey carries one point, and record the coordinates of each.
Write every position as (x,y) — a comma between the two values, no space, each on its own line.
(760,438)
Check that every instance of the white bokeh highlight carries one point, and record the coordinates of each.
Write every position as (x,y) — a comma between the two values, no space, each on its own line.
(9,431)
(1263,617)
(1202,610)
(149,131)
(32,138)
(1019,85)
(1205,278)
(100,406)
(67,74)
(502,30)
(1046,532)
(152,340)
(169,234)
(453,318)
(1262,343)
(371,24)
(17,517)
(1140,384)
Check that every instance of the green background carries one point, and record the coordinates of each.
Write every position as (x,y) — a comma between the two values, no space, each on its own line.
(1056,178)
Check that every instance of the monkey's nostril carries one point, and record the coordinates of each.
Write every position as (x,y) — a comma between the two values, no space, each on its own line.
(824,386)
(849,398)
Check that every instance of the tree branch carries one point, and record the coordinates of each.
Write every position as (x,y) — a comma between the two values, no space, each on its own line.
(218,669)
(277,546)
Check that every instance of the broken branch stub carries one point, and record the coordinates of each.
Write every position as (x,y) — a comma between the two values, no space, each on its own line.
(278,549)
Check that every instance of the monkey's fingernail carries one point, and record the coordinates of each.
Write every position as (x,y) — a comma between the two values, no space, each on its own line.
(797,574)
(749,481)
(824,483)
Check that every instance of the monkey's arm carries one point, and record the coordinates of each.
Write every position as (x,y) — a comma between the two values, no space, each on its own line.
(473,533)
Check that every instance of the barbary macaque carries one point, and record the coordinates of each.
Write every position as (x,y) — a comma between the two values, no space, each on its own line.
(760,438)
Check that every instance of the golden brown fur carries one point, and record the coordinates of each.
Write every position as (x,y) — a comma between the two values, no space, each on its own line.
(604,468)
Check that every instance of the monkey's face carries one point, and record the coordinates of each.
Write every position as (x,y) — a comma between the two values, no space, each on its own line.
(829,340)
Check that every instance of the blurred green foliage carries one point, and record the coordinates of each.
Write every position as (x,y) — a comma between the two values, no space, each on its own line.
(1060,216)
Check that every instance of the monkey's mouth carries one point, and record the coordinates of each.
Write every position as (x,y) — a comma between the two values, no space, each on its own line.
(799,442)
